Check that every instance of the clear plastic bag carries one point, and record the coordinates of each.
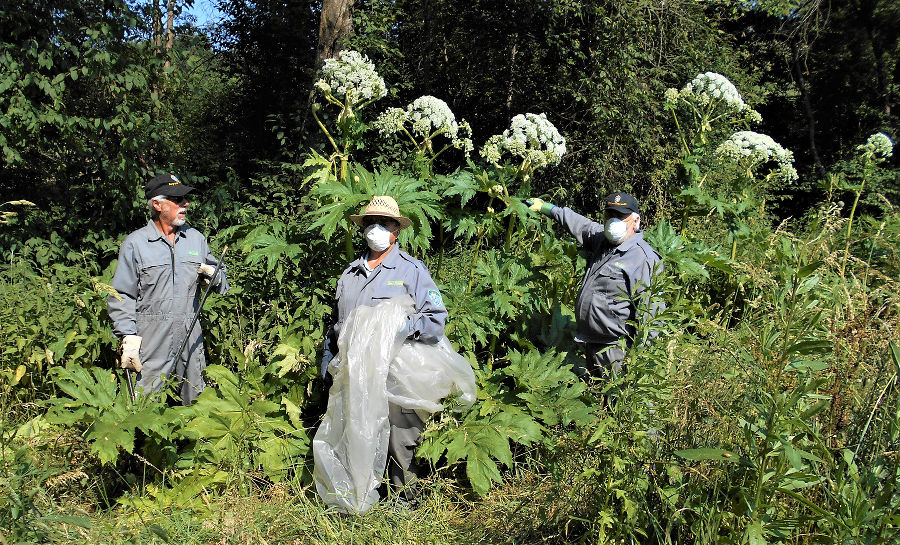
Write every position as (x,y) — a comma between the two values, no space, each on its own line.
(376,365)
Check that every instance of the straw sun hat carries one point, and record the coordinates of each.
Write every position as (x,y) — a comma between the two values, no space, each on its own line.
(385,206)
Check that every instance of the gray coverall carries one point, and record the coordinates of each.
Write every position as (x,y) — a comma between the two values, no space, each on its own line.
(397,275)
(161,291)
(616,276)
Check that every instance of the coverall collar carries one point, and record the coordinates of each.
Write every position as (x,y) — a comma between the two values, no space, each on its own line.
(153,232)
(630,243)
(390,261)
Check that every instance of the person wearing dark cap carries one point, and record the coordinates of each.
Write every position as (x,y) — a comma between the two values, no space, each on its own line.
(161,270)
(620,267)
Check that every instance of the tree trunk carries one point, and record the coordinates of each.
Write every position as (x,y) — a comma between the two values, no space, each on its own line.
(884,87)
(796,61)
(512,72)
(170,29)
(334,28)
(156,26)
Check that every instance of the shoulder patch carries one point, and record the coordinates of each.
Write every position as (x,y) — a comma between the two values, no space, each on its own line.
(436,299)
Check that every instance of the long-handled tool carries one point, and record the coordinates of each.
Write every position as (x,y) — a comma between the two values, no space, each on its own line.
(130,381)
(209,286)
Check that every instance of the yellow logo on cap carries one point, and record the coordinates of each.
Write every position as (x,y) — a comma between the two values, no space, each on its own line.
(174,183)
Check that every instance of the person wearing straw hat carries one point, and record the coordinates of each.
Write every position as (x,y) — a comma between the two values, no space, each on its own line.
(384,272)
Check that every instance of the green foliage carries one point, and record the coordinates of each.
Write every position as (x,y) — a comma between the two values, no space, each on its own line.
(241,425)
(519,402)
(99,400)
(333,202)
(765,411)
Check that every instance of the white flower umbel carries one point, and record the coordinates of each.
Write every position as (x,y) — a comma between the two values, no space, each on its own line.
(531,137)
(431,116)
(351,79)
(711,86)
(750,149)
(391,121)
(878,146)
(427,117)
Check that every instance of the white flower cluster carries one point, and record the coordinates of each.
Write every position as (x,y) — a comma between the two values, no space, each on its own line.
(530,136)
(750,149)
(879,145)
(429,117)
(390,121)
(351,78)
(708,87)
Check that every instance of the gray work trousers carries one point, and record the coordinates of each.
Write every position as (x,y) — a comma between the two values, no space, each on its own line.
(402,467)
(601,360)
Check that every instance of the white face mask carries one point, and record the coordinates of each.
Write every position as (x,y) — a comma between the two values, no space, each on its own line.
(615,230)
(377,237)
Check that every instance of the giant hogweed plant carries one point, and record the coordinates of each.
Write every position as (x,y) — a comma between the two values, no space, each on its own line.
(877,149)
(705,111)
(488,308)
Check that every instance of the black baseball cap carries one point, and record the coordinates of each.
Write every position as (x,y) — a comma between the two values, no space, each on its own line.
(167,185)
(621,202)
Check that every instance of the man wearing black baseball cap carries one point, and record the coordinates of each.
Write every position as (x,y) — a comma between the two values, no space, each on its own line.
(620,267)
(161,268)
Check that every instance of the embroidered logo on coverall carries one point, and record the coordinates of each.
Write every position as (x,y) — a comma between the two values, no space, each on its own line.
(193,252)
(395,282)
(436,298)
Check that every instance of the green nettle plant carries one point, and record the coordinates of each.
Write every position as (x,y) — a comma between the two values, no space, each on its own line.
(877,149)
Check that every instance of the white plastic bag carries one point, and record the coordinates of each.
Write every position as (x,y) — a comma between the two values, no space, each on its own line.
(374,366)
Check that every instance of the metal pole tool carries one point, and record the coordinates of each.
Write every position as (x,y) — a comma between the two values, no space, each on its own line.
(209,286)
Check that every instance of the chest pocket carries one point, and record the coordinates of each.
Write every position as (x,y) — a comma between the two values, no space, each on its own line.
(387,289)
(154,273)
(187,274)
(155,287)
(612,282)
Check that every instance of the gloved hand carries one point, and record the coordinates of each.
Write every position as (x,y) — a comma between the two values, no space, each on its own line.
(538,205)
(205,271)
(131,356)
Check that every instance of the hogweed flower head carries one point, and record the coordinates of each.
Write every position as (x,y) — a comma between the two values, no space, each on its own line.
(530,136)
(351,78)
(390,121)
(708,88)
(428,117)
(750,149)
(715,86)
(429,114)
(879,146)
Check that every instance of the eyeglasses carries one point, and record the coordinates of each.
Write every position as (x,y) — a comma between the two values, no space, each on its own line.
(387,223)
(176,200)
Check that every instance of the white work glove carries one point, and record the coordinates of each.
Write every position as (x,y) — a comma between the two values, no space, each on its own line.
(131,356)
(205,271)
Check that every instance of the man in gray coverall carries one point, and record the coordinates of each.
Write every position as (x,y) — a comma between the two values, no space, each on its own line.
(382,273)
(619,270)
(162,270)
